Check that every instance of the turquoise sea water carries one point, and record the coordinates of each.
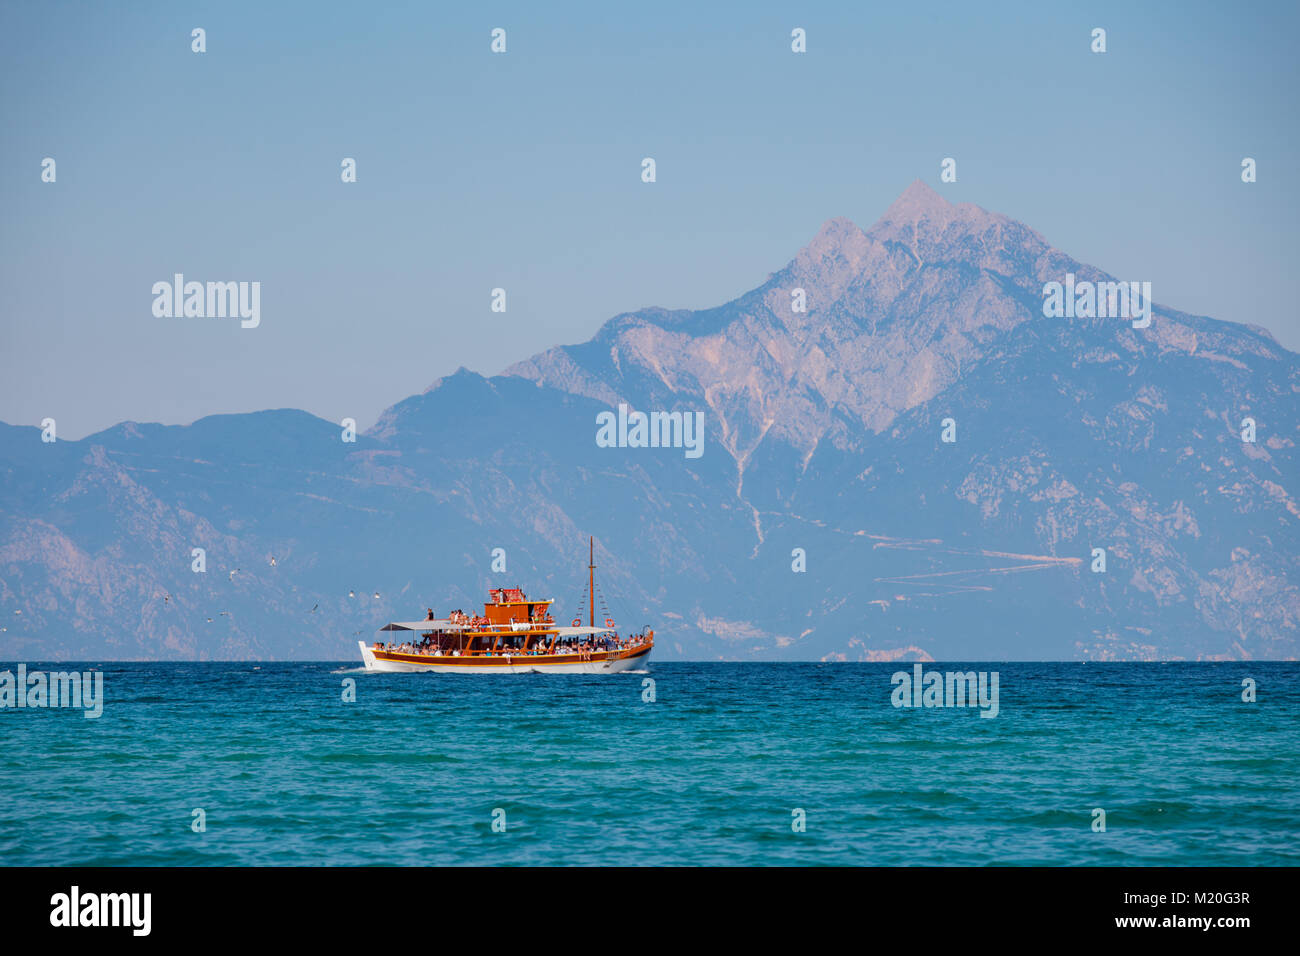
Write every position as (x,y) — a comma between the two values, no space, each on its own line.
(710,772)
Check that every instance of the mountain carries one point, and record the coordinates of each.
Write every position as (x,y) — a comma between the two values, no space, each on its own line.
(822,432)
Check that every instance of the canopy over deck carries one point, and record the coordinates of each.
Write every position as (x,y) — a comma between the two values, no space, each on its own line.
(438,625)
(446,625)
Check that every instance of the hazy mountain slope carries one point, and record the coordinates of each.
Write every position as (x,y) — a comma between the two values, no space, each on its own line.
(822,433)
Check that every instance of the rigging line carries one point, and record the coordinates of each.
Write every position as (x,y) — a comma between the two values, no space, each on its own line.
(582,602)
(622,620)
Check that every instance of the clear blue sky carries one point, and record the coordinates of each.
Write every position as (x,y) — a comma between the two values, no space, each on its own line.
(523,171)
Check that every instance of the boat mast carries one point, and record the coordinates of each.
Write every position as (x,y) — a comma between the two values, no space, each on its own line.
(591,578)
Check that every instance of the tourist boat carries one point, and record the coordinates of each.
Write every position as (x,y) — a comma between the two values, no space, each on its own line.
(514,635)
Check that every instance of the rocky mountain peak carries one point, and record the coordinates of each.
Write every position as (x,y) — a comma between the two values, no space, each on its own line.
(916,203)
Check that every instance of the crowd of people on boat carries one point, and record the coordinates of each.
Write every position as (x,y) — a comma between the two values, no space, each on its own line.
(466,620)
(584,648)
(540,616)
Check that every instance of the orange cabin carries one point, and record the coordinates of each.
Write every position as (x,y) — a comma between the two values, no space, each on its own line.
(512,606)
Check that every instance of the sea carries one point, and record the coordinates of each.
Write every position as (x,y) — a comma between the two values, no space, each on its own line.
(730,764)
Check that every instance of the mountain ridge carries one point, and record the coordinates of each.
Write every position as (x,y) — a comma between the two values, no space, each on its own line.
(823,434)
